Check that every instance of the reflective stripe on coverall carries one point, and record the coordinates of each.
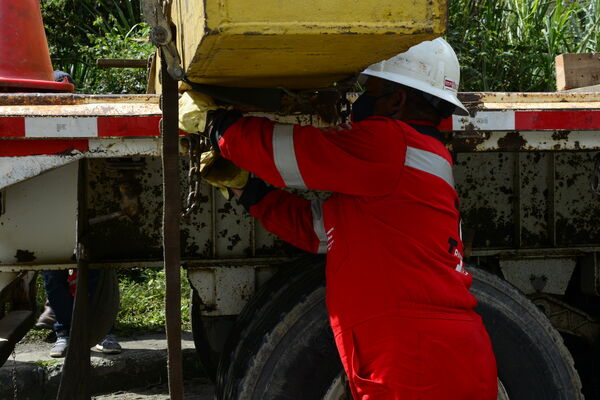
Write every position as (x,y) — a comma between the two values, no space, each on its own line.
(391,229)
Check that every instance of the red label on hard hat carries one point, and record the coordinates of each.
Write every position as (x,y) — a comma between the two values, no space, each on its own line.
(450,84)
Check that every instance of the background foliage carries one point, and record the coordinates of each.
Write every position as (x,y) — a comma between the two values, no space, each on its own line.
(81,31)
(510,45)
(143,301)
(503,45)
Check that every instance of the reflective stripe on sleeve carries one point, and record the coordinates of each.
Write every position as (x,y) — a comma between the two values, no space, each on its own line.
(284,156)
(316,207)
(429,162)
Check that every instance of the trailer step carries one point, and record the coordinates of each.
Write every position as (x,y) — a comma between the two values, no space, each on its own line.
(12,328)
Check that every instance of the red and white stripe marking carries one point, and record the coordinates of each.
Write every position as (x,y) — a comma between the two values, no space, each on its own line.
(26,136)
(105,136)
(525,121)
(79,127)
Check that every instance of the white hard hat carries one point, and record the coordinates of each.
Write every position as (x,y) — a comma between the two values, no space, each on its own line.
(430,66)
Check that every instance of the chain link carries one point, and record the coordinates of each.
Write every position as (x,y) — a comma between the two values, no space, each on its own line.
(196,146)
(14,373)
(343,108)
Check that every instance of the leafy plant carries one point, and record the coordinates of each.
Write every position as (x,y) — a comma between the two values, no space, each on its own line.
(143,302)
(510,45)
(81,31)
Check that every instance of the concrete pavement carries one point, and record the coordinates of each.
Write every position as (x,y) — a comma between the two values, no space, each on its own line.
(142,362)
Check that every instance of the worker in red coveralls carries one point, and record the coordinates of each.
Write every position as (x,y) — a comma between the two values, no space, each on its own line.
(397,292)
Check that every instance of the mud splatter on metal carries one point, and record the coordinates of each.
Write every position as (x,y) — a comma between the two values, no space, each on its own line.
(25,256)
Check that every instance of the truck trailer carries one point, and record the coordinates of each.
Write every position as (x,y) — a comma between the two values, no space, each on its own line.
(82,185)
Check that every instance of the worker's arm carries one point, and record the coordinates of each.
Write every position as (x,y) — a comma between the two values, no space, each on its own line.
(365,159)
(292,218)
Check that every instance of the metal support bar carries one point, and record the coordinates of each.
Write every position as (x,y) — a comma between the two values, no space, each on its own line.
(517,200)
(121,63)
(171,215)
(74,382)
(551,199)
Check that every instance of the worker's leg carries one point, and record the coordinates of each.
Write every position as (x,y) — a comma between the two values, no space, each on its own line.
(411,358)
(61,301)
(59,297)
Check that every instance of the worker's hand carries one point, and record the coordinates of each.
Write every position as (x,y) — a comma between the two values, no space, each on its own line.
(222,173)
(218,122)
(253,192)
(237,192)
(193,110)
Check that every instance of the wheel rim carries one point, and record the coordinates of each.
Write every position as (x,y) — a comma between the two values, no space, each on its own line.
(338,390)
(502,394)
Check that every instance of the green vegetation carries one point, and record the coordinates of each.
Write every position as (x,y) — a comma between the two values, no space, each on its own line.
(510,45)
(81,31)
(142,303)
(47,363)
(143,299)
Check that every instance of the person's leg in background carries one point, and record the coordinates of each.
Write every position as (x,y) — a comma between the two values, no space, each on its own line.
(61,302)
(47,319)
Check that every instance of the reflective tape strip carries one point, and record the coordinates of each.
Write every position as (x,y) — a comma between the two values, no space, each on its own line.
(429,162)
(316,206)
(284,156)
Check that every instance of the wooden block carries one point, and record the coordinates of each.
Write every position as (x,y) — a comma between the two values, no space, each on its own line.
(586,89)
(577,70)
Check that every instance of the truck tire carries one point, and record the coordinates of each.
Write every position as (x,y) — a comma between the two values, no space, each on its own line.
(208,334)
(532,360)
(283,347)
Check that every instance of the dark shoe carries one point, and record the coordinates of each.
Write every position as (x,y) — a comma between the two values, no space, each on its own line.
(109,345)
(47,319)
(59,349)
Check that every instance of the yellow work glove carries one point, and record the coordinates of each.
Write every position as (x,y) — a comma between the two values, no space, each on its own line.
(222,173)
(193,108)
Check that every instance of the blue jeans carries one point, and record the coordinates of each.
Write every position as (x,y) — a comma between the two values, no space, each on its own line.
(60,298)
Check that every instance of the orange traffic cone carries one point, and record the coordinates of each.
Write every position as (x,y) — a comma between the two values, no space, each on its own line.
(24,57)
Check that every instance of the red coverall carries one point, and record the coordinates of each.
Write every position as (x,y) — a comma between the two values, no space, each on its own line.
(397,293)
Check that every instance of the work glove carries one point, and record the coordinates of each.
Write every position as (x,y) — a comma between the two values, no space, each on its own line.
(222,173)
(254,191)
(193,111)
(218,122)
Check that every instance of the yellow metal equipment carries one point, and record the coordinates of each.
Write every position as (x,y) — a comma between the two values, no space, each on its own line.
(296,43)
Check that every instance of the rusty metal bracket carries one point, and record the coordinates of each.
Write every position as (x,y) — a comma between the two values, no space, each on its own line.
(162,36)
(568,319)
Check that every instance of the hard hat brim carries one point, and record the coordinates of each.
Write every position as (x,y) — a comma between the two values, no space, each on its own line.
(447,95)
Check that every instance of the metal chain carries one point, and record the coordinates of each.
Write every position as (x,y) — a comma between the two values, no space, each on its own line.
(343,108)
(197,145)
(14,373)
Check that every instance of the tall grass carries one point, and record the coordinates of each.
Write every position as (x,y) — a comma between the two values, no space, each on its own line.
(510,45)
(143,302)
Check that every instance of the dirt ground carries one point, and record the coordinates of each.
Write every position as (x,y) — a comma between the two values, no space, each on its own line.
(194,389)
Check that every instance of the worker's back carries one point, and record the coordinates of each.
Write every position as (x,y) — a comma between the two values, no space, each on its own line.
(399,252)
